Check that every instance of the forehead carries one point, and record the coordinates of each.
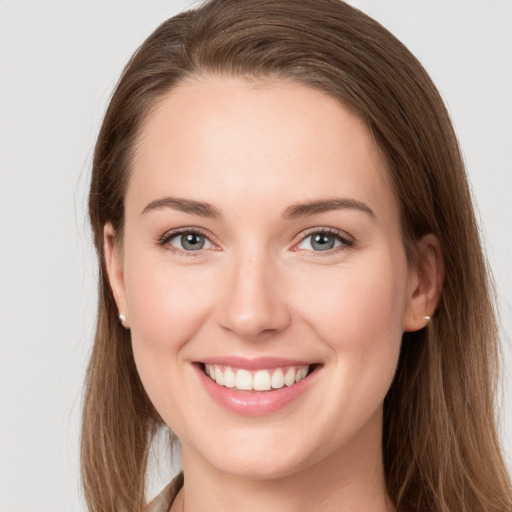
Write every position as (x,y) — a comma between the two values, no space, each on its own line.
(229,138)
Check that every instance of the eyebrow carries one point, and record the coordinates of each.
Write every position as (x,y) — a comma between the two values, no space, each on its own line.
(184,205)
(294,211)
(314,207)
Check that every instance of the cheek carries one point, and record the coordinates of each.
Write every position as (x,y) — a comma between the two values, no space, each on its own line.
(167,305)
(356,303)
(357,314)
(356,311)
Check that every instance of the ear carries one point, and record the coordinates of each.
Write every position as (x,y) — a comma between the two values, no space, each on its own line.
(426,280)
(114,264)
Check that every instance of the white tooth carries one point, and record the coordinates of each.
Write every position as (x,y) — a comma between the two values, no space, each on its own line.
(211,371)
(229,378)
(262,380)
(278,379)
(243,380)
(219,377)
(289,378)
(304,372)
(298,375)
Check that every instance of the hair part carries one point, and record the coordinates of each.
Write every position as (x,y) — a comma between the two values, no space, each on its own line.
(440,443)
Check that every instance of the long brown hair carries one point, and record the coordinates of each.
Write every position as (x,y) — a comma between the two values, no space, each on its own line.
(441,450)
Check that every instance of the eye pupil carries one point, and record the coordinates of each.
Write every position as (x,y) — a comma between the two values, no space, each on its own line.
(192,241)
(322,242)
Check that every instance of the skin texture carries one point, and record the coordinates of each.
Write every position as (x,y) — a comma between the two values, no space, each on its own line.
(258,288)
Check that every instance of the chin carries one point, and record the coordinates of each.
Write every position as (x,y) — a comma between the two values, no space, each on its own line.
(257,469)
(259,460)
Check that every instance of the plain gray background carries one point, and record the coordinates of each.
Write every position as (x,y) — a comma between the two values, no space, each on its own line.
(59,61)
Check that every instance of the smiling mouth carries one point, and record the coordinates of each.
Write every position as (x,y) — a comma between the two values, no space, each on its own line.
(241,379)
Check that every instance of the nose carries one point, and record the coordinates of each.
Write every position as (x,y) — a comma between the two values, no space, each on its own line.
(254,301)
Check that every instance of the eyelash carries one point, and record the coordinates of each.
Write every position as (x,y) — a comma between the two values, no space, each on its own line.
(346,240)
(164,240)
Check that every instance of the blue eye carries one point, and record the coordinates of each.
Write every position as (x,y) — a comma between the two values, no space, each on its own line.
(322,240)
(188,241)
(319,241)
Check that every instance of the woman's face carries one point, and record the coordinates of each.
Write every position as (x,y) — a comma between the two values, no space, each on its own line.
(262,243)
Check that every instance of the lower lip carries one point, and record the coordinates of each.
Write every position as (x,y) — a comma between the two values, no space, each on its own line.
(254,403)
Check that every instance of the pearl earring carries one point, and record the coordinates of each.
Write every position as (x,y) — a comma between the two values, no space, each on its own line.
(122,317)
(427,318)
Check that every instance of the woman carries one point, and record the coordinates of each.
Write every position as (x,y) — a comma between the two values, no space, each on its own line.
(285,235)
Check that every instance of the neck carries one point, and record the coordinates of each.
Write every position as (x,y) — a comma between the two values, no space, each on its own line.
(351,479)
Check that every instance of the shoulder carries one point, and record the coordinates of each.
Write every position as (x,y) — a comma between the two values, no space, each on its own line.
(163,502)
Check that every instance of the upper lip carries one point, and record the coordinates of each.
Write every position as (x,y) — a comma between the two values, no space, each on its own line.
(254,363)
